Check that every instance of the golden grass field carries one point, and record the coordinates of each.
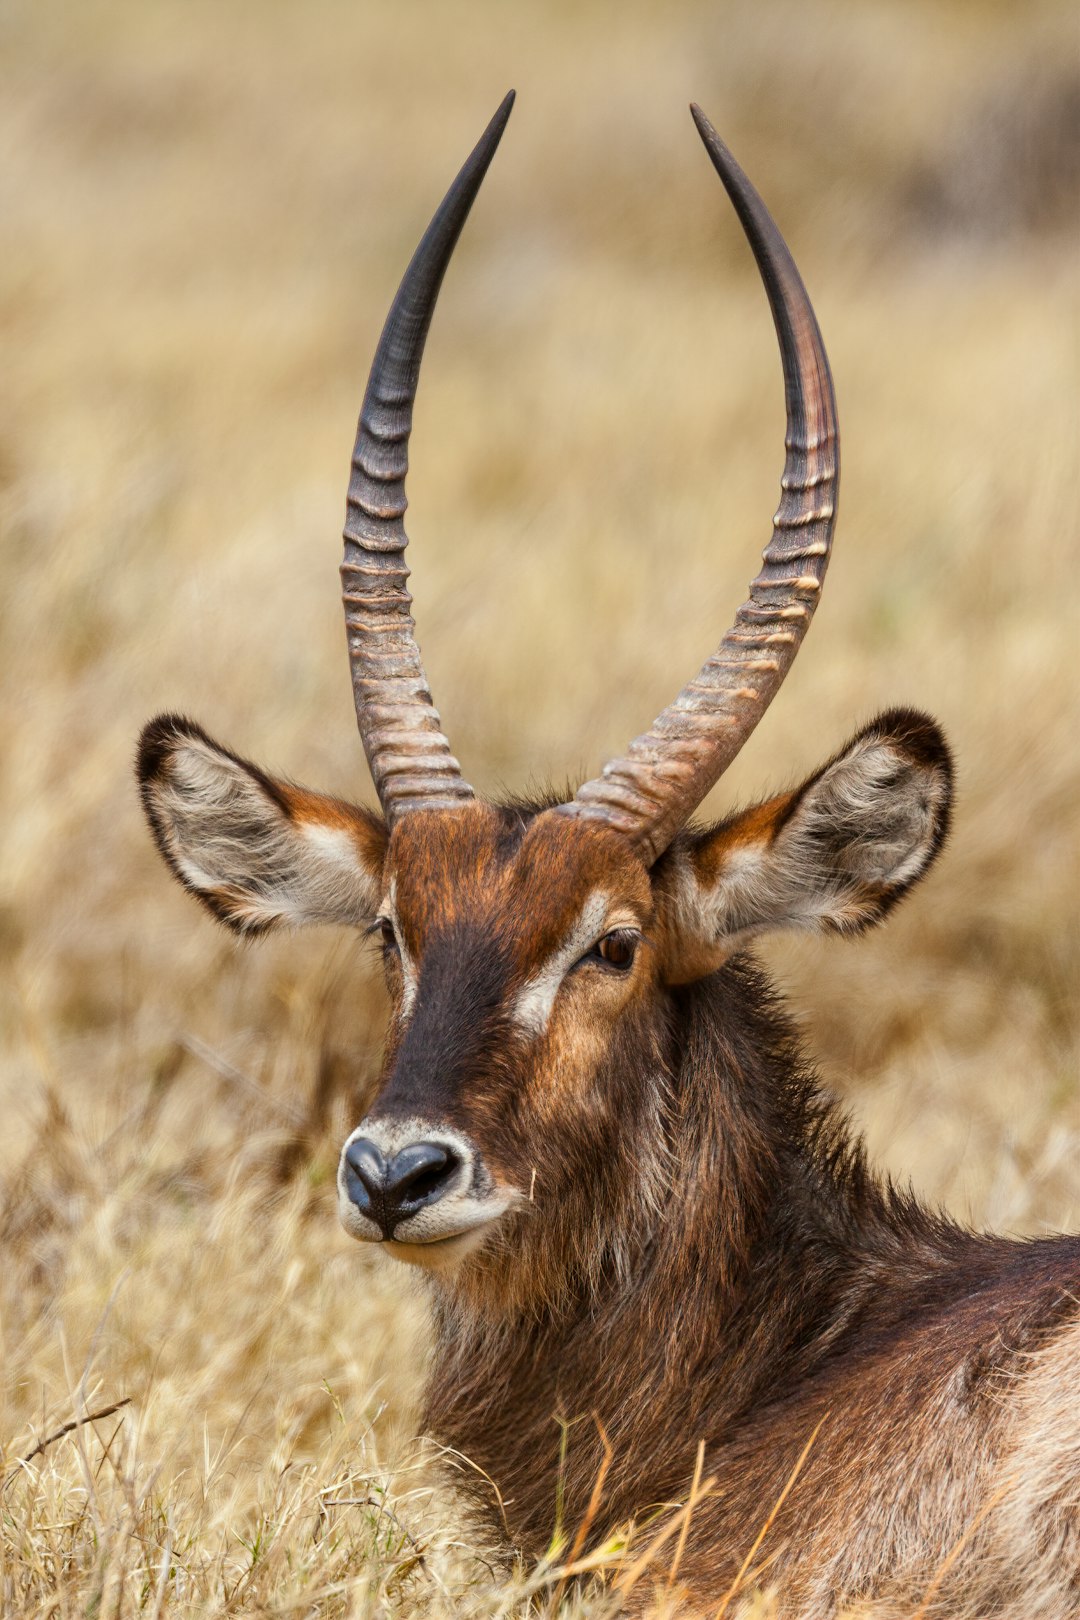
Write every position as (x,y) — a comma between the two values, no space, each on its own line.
(205,212)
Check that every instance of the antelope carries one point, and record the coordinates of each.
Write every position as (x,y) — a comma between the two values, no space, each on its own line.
(654,1247)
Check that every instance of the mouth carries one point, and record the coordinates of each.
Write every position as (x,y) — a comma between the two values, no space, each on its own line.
(438,1253)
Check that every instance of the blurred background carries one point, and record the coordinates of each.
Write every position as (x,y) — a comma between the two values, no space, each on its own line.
(206,211)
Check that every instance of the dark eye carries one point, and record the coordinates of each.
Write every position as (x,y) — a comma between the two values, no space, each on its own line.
(617,949)
(387,935)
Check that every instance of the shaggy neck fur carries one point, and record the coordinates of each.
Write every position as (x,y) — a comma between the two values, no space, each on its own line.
(714,1275)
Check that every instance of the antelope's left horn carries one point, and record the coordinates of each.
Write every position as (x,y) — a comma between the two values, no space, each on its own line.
(650,791)
(409,756)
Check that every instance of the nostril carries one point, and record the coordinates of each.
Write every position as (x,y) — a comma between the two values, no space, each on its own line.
(423,1183)
(420,1174)
(365,1173)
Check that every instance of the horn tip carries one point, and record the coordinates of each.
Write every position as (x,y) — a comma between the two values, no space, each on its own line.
(722,158)
(504,109)
(704,127)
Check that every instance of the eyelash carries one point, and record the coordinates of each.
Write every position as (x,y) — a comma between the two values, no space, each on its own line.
(382,929)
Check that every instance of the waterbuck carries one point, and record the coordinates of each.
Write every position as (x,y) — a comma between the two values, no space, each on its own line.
(653,1245)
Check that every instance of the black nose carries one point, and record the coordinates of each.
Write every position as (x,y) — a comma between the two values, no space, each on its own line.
(389,1191)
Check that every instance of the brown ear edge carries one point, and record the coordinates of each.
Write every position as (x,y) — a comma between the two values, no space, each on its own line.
(157,742)
(919,736)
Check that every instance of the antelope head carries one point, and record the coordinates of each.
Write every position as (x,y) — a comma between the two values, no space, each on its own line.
(534,953)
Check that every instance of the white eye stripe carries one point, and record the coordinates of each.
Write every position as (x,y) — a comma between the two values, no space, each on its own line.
(532,1005)
(409,977)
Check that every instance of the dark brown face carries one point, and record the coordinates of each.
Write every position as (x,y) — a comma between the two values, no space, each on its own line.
(530,958)
(515,951)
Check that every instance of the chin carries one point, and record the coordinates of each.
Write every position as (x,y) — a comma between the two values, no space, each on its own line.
(439,1254)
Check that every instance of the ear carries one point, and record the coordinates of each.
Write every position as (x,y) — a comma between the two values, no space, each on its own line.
(836,855)
(255,851)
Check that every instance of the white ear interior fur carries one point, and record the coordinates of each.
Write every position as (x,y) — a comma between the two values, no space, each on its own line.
(232,841)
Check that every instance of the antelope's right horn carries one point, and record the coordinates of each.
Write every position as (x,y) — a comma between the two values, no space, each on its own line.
(650,791)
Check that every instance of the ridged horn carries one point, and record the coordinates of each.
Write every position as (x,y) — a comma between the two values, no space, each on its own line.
(650,791)
(409,756)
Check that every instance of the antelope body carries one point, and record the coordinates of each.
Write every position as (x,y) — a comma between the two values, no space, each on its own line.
(645,1228)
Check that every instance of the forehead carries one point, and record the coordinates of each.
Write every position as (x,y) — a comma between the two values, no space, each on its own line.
(526,874)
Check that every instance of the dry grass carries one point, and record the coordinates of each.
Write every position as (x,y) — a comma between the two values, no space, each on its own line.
(205,212)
